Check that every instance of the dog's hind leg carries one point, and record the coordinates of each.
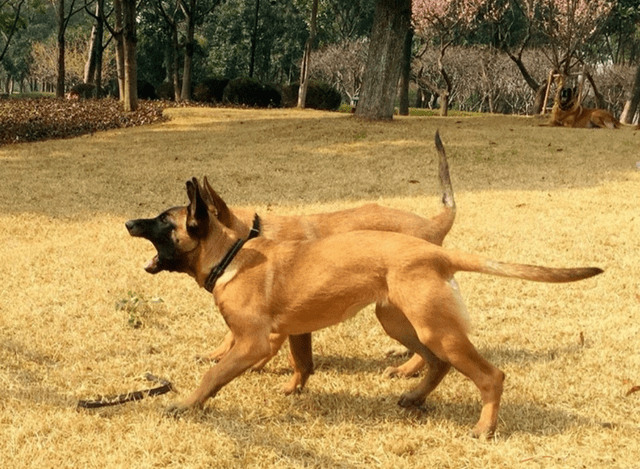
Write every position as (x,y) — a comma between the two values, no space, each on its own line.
(450,344)
(396,324)
(458,350)
(409,368)
(440,325)
(301,359)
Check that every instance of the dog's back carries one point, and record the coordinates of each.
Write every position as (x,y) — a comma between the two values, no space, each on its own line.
(337,275)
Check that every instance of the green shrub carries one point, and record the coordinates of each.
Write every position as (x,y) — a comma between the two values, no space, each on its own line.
(252,93)
(210,90)
(320,95)
(165,91)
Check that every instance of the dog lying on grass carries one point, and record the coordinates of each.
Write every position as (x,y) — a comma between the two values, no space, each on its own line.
(264,287)
(569,113)
(367,217)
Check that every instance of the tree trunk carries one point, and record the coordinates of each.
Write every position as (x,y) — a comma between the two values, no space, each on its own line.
(254,40)
(90,66)
(99,53)
(118,36)
(189,48)
(130,66)
(633,100)
(445,93)
(304,70)
(405,74)
(173,64)
(93,68)
(61,51)
(392,19)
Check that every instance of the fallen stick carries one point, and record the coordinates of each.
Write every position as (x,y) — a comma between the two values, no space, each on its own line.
(105,401)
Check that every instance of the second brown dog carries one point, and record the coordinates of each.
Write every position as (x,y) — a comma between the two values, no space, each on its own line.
(366,217)
(569,113)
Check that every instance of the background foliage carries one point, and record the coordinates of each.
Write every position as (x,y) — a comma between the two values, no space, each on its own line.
(495,31)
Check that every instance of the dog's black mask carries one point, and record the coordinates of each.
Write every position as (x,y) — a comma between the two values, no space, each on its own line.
(566,98)
(158,230)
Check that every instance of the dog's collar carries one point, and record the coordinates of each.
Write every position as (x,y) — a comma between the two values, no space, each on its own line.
(219,269)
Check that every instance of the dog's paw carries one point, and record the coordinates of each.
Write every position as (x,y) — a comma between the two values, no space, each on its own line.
(397,351)
(408,400)
(399,372)
(391,372)
(293,386)
(482,434)
(176,409)
(203,359)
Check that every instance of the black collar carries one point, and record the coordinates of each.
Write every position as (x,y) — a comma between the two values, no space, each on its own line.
(218,270)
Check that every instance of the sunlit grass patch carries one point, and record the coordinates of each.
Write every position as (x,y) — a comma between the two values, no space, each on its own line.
(525,193)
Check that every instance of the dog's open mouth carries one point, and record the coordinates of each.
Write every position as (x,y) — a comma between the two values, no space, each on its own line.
(153,266)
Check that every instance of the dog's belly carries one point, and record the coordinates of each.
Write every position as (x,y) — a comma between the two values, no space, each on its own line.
(316,318)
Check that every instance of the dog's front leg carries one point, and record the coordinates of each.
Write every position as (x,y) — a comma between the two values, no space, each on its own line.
(220,351)
(246,351)
(275,342)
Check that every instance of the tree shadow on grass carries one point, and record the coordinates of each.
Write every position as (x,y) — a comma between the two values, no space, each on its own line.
(287,160)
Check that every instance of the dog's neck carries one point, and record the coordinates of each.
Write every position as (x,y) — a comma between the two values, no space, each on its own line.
(219,269)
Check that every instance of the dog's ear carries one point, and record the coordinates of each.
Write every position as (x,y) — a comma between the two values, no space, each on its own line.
(197,211)
(223,214)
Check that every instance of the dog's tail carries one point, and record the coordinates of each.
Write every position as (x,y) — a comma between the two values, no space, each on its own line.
(444,220)
(445,179)
(473,263)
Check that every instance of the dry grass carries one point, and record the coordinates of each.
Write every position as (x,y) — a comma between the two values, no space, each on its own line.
(525,193)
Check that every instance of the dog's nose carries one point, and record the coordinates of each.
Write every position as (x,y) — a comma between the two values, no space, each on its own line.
(130,225)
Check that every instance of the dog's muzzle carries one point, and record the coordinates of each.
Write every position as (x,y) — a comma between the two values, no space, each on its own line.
(144,228)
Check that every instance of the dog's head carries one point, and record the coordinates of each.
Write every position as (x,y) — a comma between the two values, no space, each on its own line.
(177,233)
(567,98)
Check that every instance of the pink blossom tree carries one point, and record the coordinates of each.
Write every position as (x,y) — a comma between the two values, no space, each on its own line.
(443,21)
(560,28)
(567,26)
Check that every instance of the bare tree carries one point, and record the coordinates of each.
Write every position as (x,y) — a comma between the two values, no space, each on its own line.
(117,33)
(341,65)
(443,20)
(93,68)
(564,26)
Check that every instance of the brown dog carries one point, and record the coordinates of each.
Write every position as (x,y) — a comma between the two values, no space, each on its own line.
(367,217)
(569,113)
(264,287)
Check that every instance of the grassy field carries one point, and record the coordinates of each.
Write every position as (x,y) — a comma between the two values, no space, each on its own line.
(79,317)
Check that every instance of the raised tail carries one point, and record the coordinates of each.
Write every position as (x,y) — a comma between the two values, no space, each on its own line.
(473,263)
(445,179)
(443,222)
